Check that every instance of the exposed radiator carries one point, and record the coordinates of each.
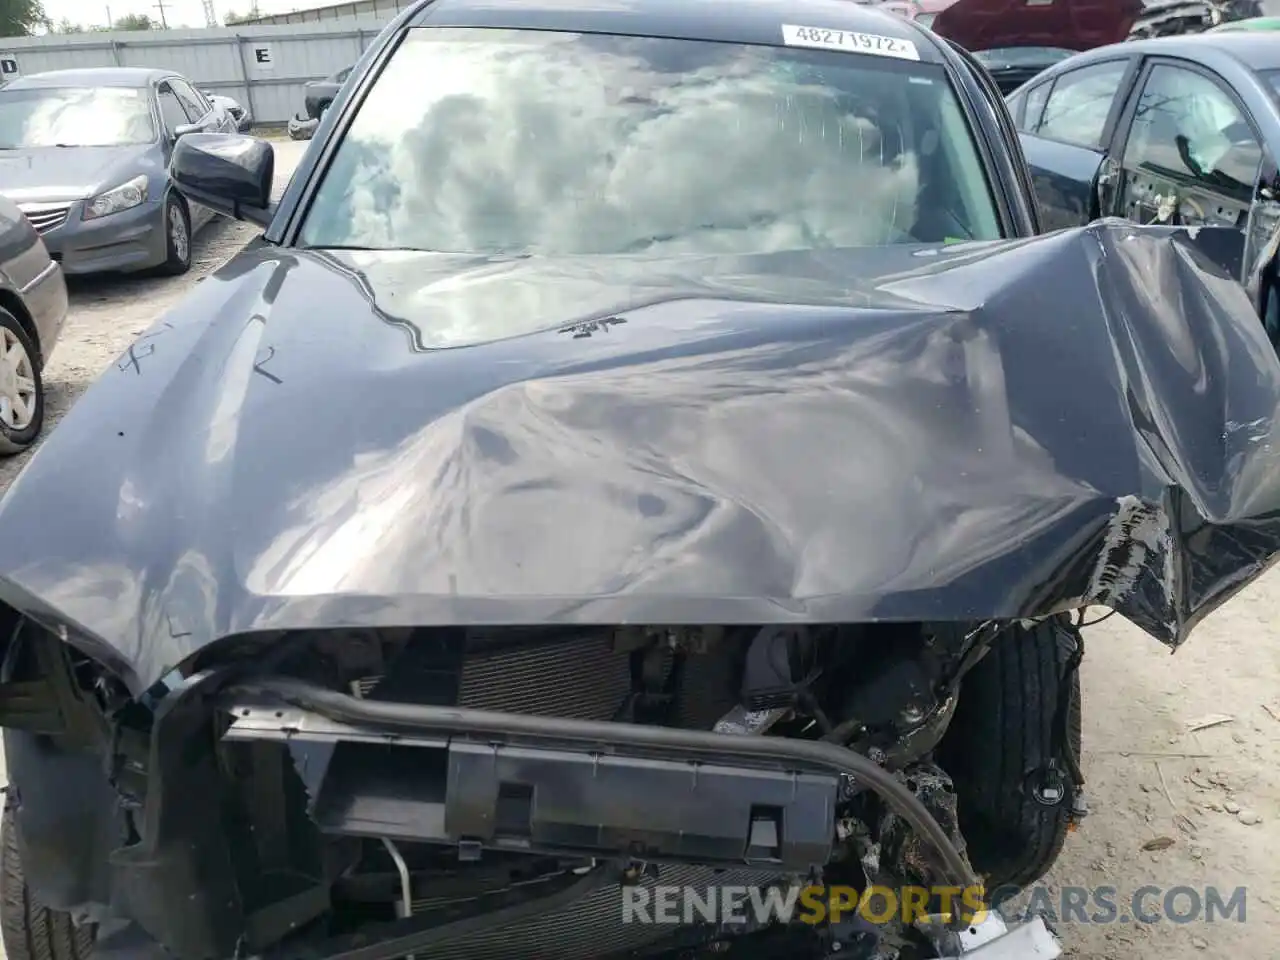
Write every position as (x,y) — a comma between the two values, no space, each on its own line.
(590,928)
(580,677)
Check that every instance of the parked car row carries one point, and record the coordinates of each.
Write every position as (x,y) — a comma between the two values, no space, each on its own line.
(1164,113)
(1178,130)
(1016,40)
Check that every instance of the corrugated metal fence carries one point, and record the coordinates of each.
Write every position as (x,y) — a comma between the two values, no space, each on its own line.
(262,66)
(382,9)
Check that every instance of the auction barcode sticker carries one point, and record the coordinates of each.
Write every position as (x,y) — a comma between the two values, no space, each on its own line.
(822,39)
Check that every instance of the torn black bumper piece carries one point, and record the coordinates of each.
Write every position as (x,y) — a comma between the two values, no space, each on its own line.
(479,779)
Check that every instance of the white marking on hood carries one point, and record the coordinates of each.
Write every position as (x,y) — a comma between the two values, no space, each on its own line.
(1138,535)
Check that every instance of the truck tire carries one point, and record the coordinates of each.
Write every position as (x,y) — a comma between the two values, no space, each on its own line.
(1000,740)
(31,931)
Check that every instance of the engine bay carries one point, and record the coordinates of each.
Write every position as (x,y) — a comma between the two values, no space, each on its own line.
(438,791)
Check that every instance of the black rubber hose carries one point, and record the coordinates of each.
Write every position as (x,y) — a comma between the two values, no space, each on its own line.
(415,718)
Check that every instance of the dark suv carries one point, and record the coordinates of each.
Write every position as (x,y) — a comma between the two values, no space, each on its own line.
(319,94)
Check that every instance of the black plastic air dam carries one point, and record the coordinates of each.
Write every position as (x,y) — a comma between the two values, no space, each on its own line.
(391,721)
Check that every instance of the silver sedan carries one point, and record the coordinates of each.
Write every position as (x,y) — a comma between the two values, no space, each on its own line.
(85,155)
(33,308)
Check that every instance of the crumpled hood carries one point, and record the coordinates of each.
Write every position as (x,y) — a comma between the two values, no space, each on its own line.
(987,431)
(72,173)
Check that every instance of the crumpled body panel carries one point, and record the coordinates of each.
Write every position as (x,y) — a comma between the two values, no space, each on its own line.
(961,433)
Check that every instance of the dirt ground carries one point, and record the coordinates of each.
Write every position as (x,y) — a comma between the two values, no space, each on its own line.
(1207,801)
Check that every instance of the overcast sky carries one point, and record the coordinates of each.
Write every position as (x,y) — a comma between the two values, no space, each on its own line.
(179,13)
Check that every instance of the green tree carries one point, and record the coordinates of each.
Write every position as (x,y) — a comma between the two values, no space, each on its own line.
(20,18)
(135,21)
(231,19)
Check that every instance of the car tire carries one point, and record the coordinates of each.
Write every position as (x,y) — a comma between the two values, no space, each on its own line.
(1002,735)
(31,931)
(177,249)
(18,436)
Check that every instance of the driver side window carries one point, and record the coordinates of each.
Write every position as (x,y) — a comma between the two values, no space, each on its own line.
(171,109)
(1187,127)
(193,102)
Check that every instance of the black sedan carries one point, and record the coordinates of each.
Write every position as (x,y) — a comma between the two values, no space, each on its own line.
(649,451)
(318,96)
(1175,130)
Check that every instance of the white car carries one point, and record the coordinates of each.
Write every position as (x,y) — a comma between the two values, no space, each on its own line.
(243,118)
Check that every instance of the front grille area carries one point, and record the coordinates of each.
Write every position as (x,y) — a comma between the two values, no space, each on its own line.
(580,676)
(45,217)
(593,926)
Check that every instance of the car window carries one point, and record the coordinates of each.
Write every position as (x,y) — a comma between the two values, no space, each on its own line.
(75,117)
(1021,56)
(1077,107)
(192,101)
(1028,106)
(533,142)
(1272,77)
(1186,124)
(175,115)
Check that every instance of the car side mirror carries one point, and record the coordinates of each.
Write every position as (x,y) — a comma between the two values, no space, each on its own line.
(183,129)
(226,172)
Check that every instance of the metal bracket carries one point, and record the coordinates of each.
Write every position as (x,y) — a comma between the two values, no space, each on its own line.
(992,939)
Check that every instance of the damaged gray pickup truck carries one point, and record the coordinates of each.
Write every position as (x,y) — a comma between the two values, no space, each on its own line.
(659,454)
